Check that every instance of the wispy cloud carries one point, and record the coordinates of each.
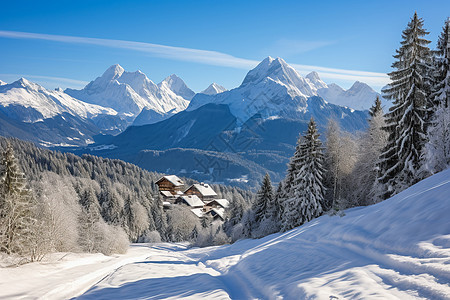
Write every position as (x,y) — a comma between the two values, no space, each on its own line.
(48,80)
(200,56)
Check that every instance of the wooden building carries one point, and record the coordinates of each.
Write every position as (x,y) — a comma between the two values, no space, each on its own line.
(170,187)
(201,190)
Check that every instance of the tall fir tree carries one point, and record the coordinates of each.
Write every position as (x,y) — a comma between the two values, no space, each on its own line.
(264,204)
(376,108)
(16,206)
(286,197)
(437,151)
(406,121)
(308,186)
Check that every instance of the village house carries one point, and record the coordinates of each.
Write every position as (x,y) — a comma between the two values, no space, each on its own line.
(201,190)
(199,197)
(170,187)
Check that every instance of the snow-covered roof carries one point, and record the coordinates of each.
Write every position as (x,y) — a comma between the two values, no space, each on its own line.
(174,179)
(222,202)
(218,211)
(192,200)
(166,194)
(204,189)
(198,212)
(166,204)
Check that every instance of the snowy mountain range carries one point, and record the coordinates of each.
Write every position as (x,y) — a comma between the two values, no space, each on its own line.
(130,92)
(251,129)
(275,89)
(260,119)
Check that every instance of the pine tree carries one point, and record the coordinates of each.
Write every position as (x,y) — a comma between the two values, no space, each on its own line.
(264,200)
(308,186)
(16,206)
(406,121)
(376,108)
(437,150)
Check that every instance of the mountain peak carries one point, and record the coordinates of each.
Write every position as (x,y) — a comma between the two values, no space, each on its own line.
(178,86)
(24,83)
(113,72)
(359,86)
(214,89)
(314,78)
(269,67)
(2,83)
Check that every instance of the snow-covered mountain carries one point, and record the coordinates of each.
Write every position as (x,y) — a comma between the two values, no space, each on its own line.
(359,96)
(272,89)
(131,92)
(2,82)
(214,89)
(177,85)
(29,102)
(31,112)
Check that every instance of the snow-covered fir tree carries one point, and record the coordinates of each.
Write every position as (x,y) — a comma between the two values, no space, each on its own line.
(16,206)
(266,210)
(264,204)
(437,149)
(376,109)
(406,121)
(308,188)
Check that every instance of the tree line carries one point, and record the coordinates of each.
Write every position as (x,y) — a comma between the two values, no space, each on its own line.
(52,201)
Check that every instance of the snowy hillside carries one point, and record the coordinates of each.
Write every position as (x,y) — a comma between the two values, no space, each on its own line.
(131,92)
(2,82)
(29,102)
(397,249)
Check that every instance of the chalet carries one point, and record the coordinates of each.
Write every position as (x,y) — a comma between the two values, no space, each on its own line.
(190,200)
(199,197)
(216,203)
(201,190)
(170,187)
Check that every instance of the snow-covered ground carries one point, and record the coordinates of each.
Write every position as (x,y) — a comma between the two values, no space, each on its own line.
(397,249)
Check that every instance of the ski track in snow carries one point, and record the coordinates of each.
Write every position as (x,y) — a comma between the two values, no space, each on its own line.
(397,249)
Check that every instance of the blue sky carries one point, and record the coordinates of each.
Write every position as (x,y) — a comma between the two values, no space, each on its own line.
(68,43)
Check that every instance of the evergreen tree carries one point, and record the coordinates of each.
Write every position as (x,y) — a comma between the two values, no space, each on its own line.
(406,120)
(264,200)
(437,149)
(376,108)
(308,187)
(441,71)
(16,206)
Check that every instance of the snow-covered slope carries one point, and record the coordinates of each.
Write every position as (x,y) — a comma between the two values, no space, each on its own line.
(29,102)
(397,249)
(130,92)
(359,96)
(2,82)
(214,89)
